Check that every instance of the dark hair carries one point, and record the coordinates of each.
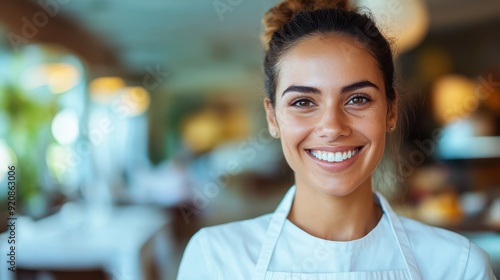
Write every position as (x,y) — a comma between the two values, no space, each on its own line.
(306,24)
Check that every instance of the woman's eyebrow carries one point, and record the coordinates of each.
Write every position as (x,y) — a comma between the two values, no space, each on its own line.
(358,85)
(301,89)
(351,87)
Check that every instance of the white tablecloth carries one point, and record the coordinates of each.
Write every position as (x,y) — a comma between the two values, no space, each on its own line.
(121,241)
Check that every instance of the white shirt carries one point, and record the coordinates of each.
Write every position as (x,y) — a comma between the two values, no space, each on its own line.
(309,254)
(231,251)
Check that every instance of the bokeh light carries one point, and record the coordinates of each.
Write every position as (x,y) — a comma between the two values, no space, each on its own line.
(58,77)
(104,89)
(65,127)
(453,98)
(133,101)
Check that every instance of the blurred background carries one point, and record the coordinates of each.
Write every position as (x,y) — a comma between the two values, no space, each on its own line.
(131,124)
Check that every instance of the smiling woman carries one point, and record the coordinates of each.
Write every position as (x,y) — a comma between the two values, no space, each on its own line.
(322,113)
(332,103)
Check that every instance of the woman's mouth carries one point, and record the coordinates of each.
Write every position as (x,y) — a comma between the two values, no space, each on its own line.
(334,156)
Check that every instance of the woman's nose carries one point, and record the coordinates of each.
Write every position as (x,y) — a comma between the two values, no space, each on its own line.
(333,123)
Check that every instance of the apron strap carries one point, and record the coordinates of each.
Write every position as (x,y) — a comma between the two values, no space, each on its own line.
(278,220)
(272,234)
(401,237)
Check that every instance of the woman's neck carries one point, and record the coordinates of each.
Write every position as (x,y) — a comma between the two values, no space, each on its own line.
(329,217)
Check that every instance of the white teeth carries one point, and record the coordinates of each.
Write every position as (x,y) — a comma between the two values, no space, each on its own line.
(338,156)
(334,157)
(330,157)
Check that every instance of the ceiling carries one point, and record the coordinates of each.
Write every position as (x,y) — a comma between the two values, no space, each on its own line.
(192,40)
(196,43)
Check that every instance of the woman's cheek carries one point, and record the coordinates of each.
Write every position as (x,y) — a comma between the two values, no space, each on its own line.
(295,124)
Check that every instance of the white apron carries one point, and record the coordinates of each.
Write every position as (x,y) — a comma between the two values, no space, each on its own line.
(276,225)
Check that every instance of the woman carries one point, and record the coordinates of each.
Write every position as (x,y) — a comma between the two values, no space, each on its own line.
(331,100)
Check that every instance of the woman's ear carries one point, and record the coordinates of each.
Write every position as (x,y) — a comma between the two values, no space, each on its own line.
(271,118)
(392,114)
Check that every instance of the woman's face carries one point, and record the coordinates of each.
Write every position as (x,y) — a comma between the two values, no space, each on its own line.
(331,114)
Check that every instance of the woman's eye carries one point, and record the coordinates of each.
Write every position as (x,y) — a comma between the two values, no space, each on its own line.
(358,100)
(303,103)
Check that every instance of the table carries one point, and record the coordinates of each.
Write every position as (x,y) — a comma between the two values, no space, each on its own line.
(122,241)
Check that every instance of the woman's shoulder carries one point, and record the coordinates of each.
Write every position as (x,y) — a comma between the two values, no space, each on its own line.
(437,249)
(234,236)
(418,231)
(260,222)
(244,229)
(226,249)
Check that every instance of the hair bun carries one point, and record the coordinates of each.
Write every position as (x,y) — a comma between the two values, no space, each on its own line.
(283,12)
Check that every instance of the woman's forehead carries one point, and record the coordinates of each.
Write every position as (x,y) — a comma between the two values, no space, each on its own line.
(328,61)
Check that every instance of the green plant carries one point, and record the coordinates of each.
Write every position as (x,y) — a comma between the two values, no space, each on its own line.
(28,128)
